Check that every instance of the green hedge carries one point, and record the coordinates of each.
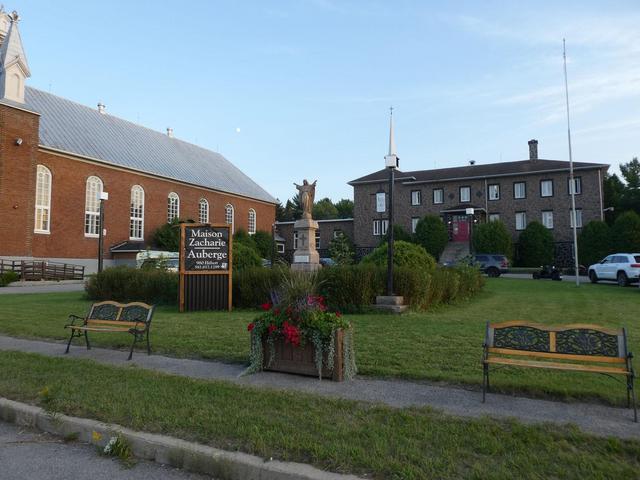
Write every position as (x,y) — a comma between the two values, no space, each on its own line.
(128,284)
(405,254)
(7,277)
(251,286)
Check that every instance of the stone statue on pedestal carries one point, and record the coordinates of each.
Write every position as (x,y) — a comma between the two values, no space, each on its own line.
(306,257)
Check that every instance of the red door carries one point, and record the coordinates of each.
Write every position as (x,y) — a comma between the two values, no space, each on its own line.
(461,230)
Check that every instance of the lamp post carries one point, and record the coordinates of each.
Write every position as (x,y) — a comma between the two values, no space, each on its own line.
(391,161)
(103,196)
(470,220)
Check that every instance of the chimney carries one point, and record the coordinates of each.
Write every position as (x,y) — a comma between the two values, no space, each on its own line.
(533,149)
(472,162)
(169,132)
(102,108)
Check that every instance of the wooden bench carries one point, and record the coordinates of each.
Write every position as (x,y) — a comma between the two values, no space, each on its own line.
(133,318)
(576,348)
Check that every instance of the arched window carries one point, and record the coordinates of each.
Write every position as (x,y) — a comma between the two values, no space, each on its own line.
(173,207)
(43,200)
(252,221)
(228,216)
(92,207)
(136,215)
(203,210)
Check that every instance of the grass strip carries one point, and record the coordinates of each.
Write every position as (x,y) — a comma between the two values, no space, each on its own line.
(441,345)
(337,435)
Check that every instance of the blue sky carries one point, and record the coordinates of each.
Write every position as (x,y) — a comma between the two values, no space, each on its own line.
(301,88)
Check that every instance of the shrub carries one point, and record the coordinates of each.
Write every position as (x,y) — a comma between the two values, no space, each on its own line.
(242,237)
(341,250)
(352,288)
(594,242)
(399,233)
(626,232)
(245,257)
(128,284)
(8,277)
(405,254)
(167,236)
(252,285)
(264,243)
(535,246)
(492,237)
(432,234)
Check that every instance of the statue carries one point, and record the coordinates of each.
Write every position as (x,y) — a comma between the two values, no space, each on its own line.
(307,194)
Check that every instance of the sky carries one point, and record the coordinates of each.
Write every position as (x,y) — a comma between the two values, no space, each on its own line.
(293,89)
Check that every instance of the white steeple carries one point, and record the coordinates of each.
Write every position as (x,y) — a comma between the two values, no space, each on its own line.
(14,69)
(391,159)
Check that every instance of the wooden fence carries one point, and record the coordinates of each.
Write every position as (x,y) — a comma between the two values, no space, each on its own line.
(42,270)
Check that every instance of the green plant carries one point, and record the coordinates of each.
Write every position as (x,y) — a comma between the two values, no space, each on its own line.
(535,246)
(594,242)
(626,232)
(245,257)
(399,233)
(118,447)
(264,243)
(241,236)
(432,234)
(167,236)
(492,237)
(405,254)
(252,285)
(127,284)
(341,249)
(8,277)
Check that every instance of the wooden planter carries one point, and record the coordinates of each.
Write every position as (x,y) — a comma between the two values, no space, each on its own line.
(302,360)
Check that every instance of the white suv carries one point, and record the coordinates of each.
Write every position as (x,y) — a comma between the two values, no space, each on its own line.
(624,268)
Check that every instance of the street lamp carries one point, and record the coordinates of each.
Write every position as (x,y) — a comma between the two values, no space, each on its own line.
(470,220)
(391,162)
(102,197)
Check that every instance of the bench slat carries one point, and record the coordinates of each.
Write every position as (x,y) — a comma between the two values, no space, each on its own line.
(113,322)
(98,329)
(567,356)
(557,366)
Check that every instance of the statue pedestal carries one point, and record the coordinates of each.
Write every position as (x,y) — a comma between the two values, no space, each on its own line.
(306,257)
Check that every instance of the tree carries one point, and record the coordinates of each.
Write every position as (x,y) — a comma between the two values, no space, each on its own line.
(399,233)
(280,212)
(492,237)
(535,246)
(324,209)
(167,236)
(626,232)
(613,190)
(341,249)
(345,208)
(594,242)
(241,236)
(432,234)
(405,254)
(245,257)
(264,243)
(631,173)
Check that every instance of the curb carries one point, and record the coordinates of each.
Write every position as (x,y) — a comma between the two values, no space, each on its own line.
(172,451)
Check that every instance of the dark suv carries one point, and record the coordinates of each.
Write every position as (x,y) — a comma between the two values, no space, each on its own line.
(492,264)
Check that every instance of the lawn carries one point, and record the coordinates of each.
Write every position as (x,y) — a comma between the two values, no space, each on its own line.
(337,435)
(442,345)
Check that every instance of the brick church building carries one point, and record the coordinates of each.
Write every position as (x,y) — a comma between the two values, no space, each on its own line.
(57,157)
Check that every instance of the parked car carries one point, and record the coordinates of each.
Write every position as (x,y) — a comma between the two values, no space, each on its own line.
(623,268)
(327,262)
(548,271)
(493,264)
(158,259)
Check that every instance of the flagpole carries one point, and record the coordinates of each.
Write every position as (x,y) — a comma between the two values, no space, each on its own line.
(572,185)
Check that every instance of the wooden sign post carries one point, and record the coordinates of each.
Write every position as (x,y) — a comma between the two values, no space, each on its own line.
(206,266)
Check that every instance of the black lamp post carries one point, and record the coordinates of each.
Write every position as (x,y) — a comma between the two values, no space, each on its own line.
(102,196)
(391,161)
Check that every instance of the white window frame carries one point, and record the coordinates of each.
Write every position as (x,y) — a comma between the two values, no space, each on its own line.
(317,239)
(376,228)
(578,216)
(136,213)
(440,200)
(42,218)
(381,202)
(93,189)
(230,216)
(173,207)
(524,190)
(414,223)
(547,219)
(251,226)
(494,217)
(280,247)
(494,191)
(468,196)
(577,181)
(542,189)
(295,240)
(203,210)
(416,197)
(523,222)
(384,226)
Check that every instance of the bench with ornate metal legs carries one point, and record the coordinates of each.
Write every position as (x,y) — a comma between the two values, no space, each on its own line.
(133,318)
(578,348)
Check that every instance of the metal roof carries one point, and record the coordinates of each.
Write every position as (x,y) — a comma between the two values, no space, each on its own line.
(81,130)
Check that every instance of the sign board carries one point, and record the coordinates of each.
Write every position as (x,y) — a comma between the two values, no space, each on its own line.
(205,267)
(381,204)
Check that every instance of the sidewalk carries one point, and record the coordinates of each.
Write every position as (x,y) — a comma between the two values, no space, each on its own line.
(43,287)
(595,419)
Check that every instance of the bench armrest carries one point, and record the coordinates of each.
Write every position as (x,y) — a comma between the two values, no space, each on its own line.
(72,320)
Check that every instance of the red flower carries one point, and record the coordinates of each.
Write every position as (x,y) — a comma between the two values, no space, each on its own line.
(272,328)
(266,306)
(277,311)
(251,326)
(291,334)
(338,314)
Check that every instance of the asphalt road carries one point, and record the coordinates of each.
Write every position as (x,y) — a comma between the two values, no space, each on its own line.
(29,455)
(46,287)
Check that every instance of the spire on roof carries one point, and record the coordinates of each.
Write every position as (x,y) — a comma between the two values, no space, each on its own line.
(14,69)
(391,159)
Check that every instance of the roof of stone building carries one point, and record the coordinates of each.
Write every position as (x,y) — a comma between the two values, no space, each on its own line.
(521,167)
(81,130)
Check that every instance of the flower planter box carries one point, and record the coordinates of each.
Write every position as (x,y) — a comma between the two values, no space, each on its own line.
(302,360)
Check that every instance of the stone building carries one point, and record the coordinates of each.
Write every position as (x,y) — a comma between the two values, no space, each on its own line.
(287,239)
(57,157)
(516,193)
